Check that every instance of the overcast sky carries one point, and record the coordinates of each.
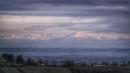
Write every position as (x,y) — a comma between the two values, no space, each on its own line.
(65,23)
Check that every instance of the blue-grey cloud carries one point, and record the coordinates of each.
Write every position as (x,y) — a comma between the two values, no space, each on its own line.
(114,18)
(20,5)
(64,43)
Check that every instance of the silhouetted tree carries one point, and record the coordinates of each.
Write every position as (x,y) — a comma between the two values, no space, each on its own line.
(123,63)
(128,62)
(92,64)
(30,62)
(114,64)
(46,62)
(9,57)
(40,61)
(19,59)
(105,63)
(68,63)
(84,64)
(54,62)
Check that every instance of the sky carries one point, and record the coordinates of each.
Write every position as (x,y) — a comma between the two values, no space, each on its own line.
(64,23)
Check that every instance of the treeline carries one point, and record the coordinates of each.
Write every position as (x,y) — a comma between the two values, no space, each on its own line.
(19,59)
(105,67)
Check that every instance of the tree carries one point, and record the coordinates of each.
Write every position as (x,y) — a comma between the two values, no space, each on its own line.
(9,57)
(68,63)
(105,63)
(92,64)
(40,61)
(114,64)
(54,63)
(84,64)
(123,63)
(19,59)
(46,62)
(128,63)
(29,61)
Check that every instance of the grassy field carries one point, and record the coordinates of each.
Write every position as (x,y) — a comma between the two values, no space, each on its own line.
(45,69)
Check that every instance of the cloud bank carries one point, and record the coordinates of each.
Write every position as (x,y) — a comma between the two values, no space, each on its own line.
(54,22)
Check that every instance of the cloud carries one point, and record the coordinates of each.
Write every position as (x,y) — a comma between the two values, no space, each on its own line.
(64,43)
(65,24)
(45,9)
(47,19)
(101,36)
(34,36)
(102,17)
(100,21)
(57,35)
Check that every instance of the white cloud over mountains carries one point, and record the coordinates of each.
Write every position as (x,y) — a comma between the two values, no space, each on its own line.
(53,27)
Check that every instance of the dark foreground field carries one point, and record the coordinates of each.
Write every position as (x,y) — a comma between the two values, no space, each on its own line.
(34,69)
(76,69)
